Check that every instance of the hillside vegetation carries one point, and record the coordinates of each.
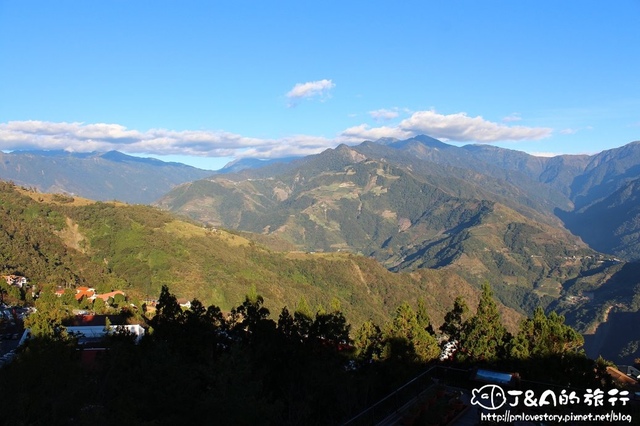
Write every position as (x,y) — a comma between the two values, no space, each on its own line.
(68,242)
(407,219)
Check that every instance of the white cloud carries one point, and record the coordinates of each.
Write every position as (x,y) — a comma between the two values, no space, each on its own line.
(298,145)
(384,114)
(363,132)
(80,137)
(544,154)
(512,117)
(310,89)
(568,131)
(462,128)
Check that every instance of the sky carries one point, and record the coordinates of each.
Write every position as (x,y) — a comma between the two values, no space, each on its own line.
(206,82)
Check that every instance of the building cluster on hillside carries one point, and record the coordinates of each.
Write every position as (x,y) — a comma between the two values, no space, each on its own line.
(92,329)
(89,329)
(89,293)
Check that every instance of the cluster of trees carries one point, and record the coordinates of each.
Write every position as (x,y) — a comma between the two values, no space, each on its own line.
(195,365)
(478,338)
(243,367)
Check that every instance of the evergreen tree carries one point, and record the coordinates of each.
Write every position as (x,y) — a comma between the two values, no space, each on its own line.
(423,318)
(99,306)
(169,316)
(407,339)
(304,308)
(453,320)
(69,298)
(331,327)
(368,342)
(542,336)
(285,323)
(483,335)
(303,319)
(251,313)
(215,317)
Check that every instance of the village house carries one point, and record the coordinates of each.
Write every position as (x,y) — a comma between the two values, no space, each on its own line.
(106,296)
(88,293)
(184,303)
(16,280)
(92,330)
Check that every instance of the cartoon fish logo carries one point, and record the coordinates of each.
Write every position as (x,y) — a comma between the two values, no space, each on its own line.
(489,397)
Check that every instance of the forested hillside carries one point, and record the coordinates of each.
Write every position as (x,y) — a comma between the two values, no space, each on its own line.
(348,331)
(409,218)
(62,241)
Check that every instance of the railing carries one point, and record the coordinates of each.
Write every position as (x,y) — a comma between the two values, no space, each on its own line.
(406,393)
(394,406)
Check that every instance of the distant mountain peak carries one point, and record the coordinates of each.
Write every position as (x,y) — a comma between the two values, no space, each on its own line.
(53,153)
(97,175)
(422,139)
(252,163)
(427,141)
(119,157)
(386,141)
(349,153)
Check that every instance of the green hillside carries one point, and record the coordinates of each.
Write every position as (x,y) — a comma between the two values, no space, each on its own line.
(62,241)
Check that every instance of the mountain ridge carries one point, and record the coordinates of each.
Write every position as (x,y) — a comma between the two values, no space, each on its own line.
(101,176)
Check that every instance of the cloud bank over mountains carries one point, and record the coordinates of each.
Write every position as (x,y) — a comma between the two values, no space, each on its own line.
(87,137)
(462,128)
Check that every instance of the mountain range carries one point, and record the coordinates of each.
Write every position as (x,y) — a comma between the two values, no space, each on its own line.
(98,176)
(556,232)
(61,241)
(560,232)
(566,191)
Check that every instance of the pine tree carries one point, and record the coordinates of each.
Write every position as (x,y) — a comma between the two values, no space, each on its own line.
(423,318)
(407,339)
(331,327)
(285,323)
(452,326)
(303,319)
(251,313)
(483,335)
(542,335)
(169,316)
(368,342)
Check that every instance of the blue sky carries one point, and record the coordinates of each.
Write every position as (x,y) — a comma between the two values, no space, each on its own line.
(204,82)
